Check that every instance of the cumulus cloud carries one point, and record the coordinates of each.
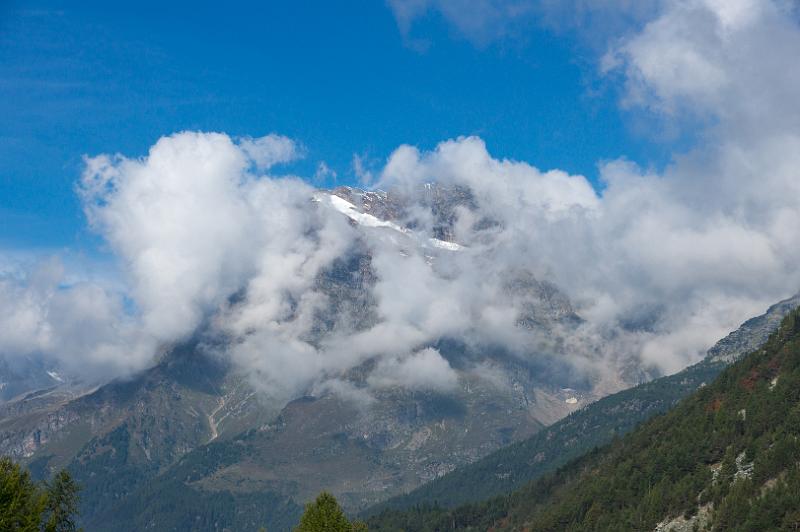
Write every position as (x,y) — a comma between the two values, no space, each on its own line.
(194,226)
(176,220)
(205,240)
(210,245)
(696,248)
(285,282)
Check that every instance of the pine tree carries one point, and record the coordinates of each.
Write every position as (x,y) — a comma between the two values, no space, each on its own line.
(62,504)
(21,501)
(325,515)
(27,506)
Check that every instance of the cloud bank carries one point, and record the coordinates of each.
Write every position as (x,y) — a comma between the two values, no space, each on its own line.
(657,265)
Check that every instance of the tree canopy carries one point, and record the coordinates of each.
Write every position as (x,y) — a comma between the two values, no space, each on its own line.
(29,506)
(325,515)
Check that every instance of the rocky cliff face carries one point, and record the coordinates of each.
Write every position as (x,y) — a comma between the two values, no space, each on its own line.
(752,333)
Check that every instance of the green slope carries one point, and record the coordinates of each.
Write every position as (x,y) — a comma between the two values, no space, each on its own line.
(592,426)
(727,457)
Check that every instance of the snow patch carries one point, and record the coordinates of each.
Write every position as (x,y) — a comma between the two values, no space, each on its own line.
(368,220)
(444,244)
(361,218)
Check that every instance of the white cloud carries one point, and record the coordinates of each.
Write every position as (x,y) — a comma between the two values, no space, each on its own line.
(272,149)
(501,184)
(423,370)
(717,229)
(727,59)
(485,21)
(203,241)
(81,327)
(660,264)
(193,227)
(177,220)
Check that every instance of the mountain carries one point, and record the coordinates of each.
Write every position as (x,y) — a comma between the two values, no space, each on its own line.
(125,432)
(194,442)
(593,425)
(725,458)
(403,439)
(193,438)
(128,435)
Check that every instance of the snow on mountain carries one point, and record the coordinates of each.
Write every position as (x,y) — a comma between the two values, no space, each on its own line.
(368,220)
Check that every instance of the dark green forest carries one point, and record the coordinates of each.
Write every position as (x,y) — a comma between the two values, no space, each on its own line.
(171,501)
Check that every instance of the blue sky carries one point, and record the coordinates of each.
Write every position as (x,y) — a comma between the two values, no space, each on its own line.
(339,77)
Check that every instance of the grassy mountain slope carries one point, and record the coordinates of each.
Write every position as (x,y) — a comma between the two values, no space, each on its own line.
(726,458)
(594,425)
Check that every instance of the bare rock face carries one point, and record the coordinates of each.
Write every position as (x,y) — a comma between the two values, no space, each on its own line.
(752,333)
(699,521)
(440,202)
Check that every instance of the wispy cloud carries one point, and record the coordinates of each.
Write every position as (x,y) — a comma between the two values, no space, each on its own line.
(486,21)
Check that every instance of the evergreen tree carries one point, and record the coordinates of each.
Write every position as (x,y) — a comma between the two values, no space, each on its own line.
(26,506)
(62,504)
(325,515)
(21,500)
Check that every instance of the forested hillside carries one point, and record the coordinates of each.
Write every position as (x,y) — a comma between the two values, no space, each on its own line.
(725,458)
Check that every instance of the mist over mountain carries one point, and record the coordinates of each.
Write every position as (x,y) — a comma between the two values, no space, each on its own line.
(235,315)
